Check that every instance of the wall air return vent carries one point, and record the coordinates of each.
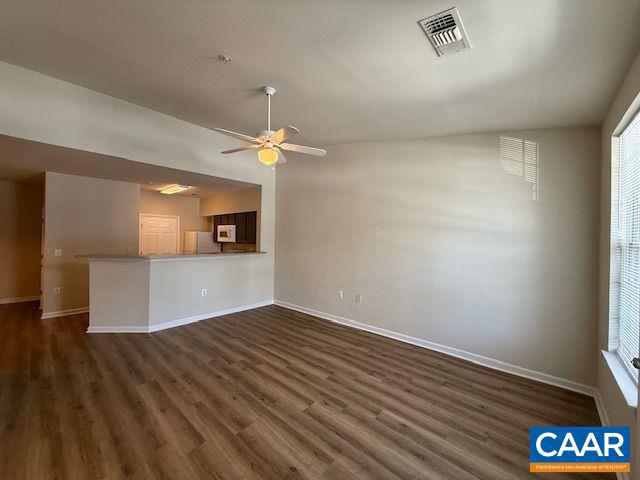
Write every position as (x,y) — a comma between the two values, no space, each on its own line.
(446,32)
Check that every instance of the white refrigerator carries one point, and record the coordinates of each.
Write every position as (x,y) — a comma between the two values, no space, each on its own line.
(200,242)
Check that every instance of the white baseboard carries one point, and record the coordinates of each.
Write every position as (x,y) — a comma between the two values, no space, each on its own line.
(19,299)
(62,313)
(196,318)
(118,329)
(604,419)
(454,352)
(602,411)
(177,322)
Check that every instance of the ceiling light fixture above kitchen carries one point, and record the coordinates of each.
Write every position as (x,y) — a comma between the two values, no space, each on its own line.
(171,189)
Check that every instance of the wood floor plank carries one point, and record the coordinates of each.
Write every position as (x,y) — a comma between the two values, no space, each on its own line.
(267,393)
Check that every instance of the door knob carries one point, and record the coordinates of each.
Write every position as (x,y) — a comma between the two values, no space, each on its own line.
(636,363)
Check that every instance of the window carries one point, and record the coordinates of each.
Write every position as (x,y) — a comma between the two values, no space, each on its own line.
(624,295)
(520,157)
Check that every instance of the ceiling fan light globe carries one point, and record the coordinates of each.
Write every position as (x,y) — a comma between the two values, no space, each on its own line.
(268,156)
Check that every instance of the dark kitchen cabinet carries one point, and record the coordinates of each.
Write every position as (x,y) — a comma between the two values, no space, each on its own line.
(216,222)
(241,227)
(252,218)
(245,222)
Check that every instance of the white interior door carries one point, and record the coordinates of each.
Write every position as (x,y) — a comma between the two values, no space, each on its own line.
(159,234)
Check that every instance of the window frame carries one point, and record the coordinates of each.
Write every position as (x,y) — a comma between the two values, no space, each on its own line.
(615,256)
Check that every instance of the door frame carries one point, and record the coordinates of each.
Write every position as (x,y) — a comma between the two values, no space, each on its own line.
(177,217)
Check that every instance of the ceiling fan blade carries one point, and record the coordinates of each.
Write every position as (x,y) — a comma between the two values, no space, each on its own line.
(292,147)
(240,149)
(240,136)
(281,157)
(282,134)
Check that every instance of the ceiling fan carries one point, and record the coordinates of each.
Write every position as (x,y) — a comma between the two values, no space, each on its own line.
(270,143)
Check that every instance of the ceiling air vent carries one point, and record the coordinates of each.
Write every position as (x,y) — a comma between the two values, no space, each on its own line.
(446,32)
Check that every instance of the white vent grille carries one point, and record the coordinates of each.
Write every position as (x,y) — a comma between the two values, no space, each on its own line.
(446,32)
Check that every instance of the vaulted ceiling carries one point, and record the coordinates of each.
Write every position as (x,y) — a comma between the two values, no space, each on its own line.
(349,70)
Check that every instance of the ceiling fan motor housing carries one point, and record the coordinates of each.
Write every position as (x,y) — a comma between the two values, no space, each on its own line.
(265,133)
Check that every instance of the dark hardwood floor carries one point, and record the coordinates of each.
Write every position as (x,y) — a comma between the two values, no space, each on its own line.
(267,393)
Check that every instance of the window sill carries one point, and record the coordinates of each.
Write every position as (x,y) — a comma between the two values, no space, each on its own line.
(626,384)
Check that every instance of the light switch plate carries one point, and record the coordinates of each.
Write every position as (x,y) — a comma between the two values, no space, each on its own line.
(57,252)
(56,290)
(203,292)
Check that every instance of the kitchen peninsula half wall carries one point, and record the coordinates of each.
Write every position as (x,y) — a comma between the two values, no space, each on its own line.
(167,291)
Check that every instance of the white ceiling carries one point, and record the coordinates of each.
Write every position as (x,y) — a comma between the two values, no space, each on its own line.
(349,70)
(25,161)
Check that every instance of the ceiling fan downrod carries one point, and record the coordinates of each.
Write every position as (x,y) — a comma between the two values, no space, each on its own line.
(269,91)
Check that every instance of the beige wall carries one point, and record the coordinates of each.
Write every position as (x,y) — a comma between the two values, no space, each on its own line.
(20,237)
(83,215)
(188,209)
(446,246)
(246,200)
(626,102)
(175,285)
(115,303)
(237,201)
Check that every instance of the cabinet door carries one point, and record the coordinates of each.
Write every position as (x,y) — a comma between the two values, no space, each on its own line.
(223,220)
(241,228)
(216,222)
(251,228)
(231,219)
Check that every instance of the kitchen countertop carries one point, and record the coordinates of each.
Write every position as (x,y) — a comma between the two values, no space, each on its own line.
(184,256)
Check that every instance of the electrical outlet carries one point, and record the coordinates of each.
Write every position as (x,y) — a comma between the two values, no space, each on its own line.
(57,252)
(56,290)
(203,292)
(340,293)
(358,298)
